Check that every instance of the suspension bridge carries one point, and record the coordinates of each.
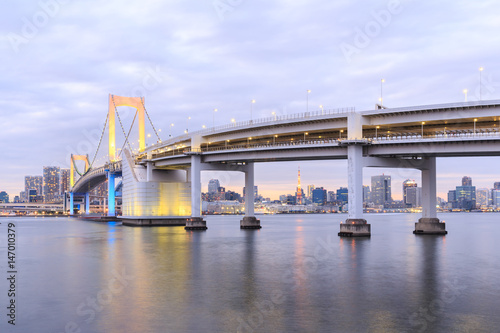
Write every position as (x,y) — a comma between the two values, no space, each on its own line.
(161,184)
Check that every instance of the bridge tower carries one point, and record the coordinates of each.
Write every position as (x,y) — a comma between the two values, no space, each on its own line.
(135,102)
(75,158)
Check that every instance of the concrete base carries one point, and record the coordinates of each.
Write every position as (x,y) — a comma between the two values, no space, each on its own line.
(196,223)
(355,228)
(153,221)
(250,222)
(430,226)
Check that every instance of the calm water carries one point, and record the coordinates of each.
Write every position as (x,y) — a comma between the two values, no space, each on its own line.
(294,275)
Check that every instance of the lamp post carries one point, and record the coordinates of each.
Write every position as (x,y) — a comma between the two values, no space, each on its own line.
(475,120)
(480,89)
(274,139)
(321,107)
(307,100)
(187,124)
(233,121)
(423,123)
(226,142)
(274,115)
(170,133)
(251,110)
(305,135)
(376,128)
(340,134)
(213,117)
(248,141)
(465,93)
(381,85)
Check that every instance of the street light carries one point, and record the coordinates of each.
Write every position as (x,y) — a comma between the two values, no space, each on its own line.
(213,117)
(187,124)
(376,128)
(170,133)
(381,99)
(248,141)
(274,114)
(307,103)
(480,90)
(465,93)
(227,142)
(305,135)
(475,120)
(321,107)
(340,134)
(251,110)
(274,139)
(423,123)
(233,121)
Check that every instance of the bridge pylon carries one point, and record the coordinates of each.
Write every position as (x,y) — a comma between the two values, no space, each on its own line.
(75,158)
(135,102)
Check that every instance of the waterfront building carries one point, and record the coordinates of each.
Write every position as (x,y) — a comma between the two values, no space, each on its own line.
(381,190)
(51,183)
(407,184)
(483,197)
(64,181)
(319,196)
(342,194)
(466,194)
(466,181)
(366,194)
(213,186)
(32,183)
(4,197)
(413,197)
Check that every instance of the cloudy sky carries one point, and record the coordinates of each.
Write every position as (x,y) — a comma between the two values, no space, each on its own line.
(61,58)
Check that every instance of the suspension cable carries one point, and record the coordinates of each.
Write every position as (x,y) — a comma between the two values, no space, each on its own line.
(130,130)
(121,124)
(100,140)
(147,114)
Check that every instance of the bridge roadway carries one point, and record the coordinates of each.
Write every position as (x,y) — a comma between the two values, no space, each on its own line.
(397,137)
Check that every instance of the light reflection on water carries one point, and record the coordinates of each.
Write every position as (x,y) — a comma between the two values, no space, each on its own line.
(294,275)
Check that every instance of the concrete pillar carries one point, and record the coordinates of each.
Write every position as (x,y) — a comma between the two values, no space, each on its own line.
(149,171)
(71,204)
(249,190)
(355,225)
(429,223)
(111,194)
(87,203)
(196,222)
(249,221)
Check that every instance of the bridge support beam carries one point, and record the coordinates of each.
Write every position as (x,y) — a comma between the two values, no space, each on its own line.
(429,223)
(111,194)
(71,204)
(355,225)
(249,220)
(196,221)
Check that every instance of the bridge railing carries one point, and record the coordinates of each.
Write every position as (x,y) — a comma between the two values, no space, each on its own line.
(465,134)
(258,121)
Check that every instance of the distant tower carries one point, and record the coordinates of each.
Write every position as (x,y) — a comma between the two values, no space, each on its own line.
(299,190)
(466,181)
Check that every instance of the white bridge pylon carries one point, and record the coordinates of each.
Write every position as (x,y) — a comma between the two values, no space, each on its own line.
(135,102)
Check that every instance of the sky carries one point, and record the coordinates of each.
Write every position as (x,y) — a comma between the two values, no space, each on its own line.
(61,58)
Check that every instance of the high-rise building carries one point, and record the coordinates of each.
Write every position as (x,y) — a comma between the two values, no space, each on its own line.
(319,196)
(381,190)
(483,197)
(495,198)
(413,197)
(310,188)
(343,194)
(366,193)
(51,183)
(406,185)
(466,181)
(255,191)
(64,181)
(4,197)
(452,199)
(466,194)
(496,186)
(330,196)
(213,186)
(32,183)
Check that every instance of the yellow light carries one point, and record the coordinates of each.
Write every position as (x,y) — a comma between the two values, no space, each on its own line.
(423,123)
(383,80)
(378,126)
(307,133)
(481,69)
(475,119)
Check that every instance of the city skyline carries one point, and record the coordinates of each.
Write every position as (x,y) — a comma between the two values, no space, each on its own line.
(221,60)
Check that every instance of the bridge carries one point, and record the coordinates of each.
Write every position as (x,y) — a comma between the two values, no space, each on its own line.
(161,183)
